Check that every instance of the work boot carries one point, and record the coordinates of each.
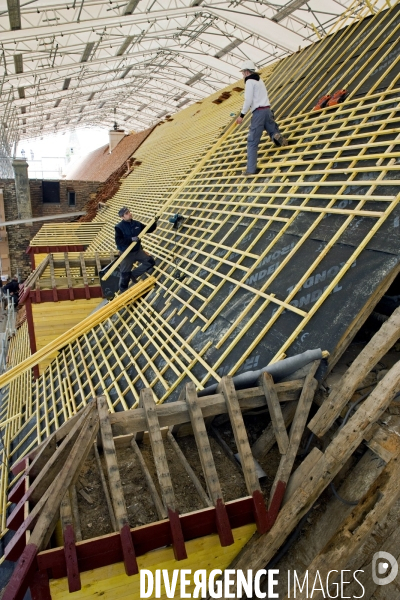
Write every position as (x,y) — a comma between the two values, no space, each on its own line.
(248,174)
(279,140)
(124,281)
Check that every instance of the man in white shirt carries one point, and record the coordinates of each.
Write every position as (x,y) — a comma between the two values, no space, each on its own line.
(256,99)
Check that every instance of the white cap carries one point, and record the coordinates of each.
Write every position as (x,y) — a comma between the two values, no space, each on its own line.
(248,65)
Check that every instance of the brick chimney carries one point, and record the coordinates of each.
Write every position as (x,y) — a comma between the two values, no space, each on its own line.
(115,136)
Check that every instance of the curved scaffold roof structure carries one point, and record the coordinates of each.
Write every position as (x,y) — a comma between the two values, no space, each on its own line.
(94,62)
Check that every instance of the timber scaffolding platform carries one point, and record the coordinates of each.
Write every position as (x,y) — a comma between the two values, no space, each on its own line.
(293,259)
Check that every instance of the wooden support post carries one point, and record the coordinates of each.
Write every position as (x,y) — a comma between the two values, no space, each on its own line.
(71,559)
(50,505)
(53,278)
(208,466)
(275,412)
(69,278)
(184,462)
(50,470)
(267,439)
(227,388)
(296,432)
(84,275)
(75,513)
(382,341)
(105,488)
(117,495)
(31,331)
(40,587)
(163,474)
(161,512)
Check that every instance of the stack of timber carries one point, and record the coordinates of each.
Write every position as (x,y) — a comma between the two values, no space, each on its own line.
(222,524)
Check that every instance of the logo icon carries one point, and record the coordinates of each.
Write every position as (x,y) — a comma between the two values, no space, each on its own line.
(384,568)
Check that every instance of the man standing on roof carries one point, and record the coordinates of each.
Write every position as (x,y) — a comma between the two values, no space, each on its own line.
(126,232)
(256,99)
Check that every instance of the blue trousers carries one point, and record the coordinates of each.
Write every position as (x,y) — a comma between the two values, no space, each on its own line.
(261,120)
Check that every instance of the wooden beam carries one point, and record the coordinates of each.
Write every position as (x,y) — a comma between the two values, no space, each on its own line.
(158,505)
(175,413)
(47,518)
(117,494)
(69,277)
(208,465)
(227,388)
(258,553)
(371,509)
(267,439)
(296,431)
(105,488)
(71,559)
(184,462)
(275,412)
(381,343)
(51,469)
(163,474)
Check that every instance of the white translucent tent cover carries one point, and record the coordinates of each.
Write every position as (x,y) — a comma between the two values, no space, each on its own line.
(97,62)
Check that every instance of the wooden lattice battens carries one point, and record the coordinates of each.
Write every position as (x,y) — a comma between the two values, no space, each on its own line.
(66,234)
(84,326)
(117,495)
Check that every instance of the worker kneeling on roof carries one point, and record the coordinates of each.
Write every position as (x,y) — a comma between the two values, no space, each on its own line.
(256,99)
(126,232)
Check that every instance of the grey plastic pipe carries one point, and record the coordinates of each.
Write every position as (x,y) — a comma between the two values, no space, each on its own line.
(278,370)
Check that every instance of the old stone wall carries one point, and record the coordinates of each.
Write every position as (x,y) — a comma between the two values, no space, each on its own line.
(19,236)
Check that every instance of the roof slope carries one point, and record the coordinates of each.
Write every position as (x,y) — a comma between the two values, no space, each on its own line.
(100,164)
(276,264)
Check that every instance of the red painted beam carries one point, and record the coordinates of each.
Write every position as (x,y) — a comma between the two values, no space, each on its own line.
(128,551)
(65,294)
(106,550)
(276,503)
(223,526)
(178,540)
(71,560)
(40,588)
(260,512)
(18,491)
(23,574)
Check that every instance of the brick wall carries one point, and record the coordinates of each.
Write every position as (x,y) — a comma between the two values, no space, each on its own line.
(19,236)
(84,192)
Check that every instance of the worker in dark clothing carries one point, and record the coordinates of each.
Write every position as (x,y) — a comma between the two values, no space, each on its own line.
(126,232)
(13,288)
(256,99)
